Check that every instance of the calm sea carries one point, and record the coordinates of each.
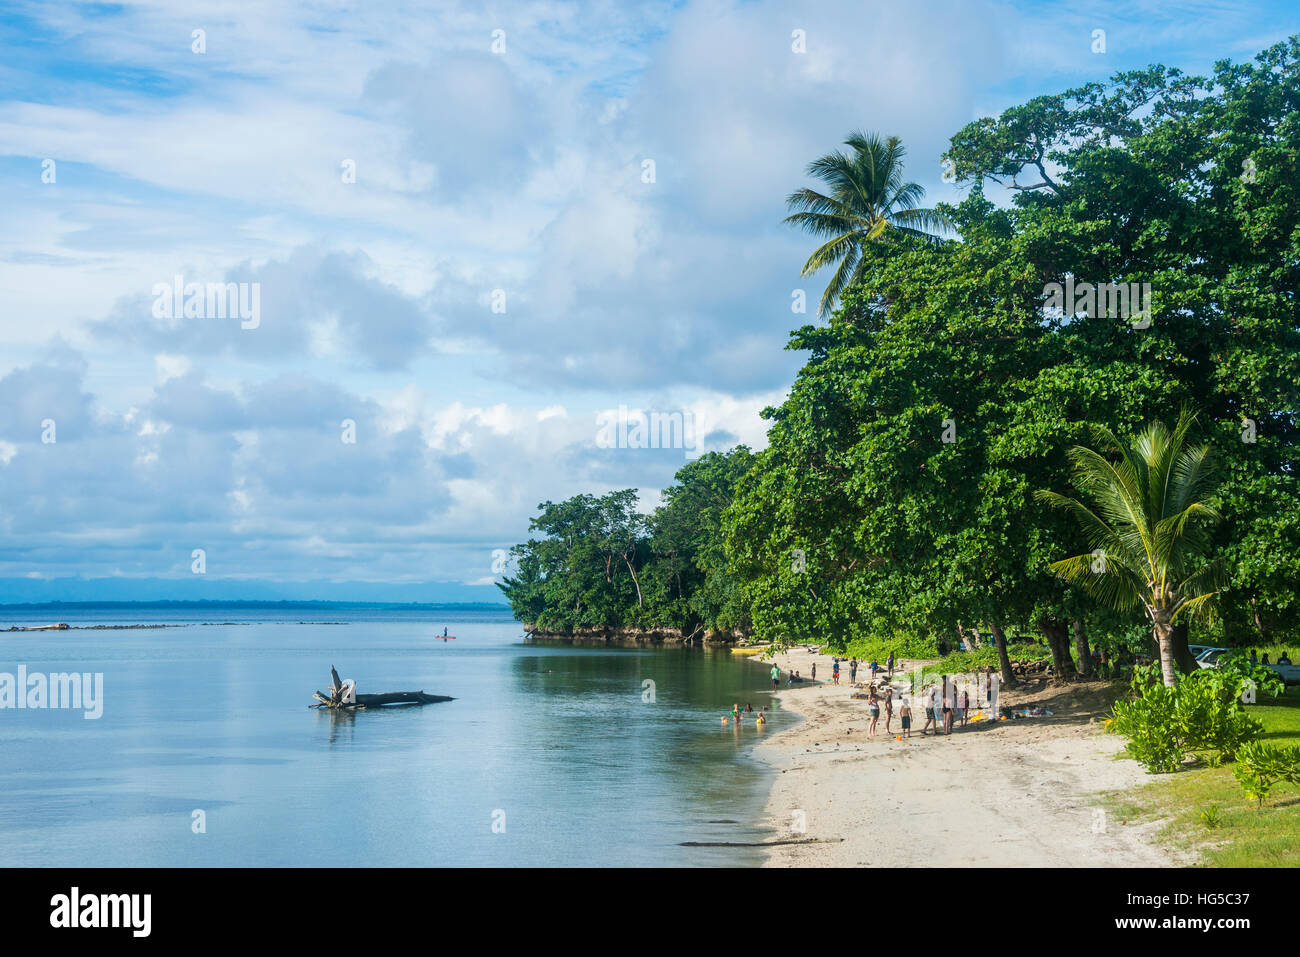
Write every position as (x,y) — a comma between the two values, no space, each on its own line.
(548,755)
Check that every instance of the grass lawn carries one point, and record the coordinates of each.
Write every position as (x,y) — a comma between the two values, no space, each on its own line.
(1244,836)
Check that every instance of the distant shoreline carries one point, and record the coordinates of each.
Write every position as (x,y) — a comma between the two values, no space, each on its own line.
(253,604)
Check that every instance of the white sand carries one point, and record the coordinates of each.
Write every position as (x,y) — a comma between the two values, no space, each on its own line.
(1007,793)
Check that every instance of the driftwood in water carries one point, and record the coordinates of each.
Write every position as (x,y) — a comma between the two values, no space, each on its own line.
(399,697)
(339,699)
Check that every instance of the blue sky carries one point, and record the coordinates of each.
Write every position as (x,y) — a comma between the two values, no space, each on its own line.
(517,169)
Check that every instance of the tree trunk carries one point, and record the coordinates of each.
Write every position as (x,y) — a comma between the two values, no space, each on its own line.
(1182,654)
(1163,633)
(1059,643)
(635,581)
(1081,647)
(1259,624)
(1004,662)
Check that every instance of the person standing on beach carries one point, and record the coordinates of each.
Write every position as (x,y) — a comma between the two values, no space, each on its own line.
(889,708)
(929,711)
(989,685)
(853,670)
(814,671)
(905,716)
(964,711)
(890,664)
(947,706)
(776,677)
(835,671)
(873,706)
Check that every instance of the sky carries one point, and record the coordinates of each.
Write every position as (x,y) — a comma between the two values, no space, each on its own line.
(465,235)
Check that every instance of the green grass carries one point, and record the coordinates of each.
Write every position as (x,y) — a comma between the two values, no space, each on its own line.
(903,646)
(1243,836)
(965,662)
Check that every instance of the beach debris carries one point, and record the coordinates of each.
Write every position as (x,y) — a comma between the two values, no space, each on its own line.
(794,840)
(342,696)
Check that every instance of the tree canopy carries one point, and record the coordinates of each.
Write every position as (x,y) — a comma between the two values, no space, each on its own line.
(1147,262)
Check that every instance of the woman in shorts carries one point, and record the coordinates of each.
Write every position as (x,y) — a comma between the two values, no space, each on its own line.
(873,705)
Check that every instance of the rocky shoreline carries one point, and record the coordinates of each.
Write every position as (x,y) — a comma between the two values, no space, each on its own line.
(636,637)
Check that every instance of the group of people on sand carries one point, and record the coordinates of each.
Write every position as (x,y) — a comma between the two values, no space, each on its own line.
(874,667)
(793,678)
(945,705)
(738,715)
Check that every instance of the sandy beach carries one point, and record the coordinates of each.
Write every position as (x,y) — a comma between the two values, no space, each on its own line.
(1016,793)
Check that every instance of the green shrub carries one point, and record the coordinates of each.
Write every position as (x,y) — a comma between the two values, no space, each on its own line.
(1203,715)
(1211,817)
(903,646)
(1260,766)
(966,662)
(1146,720)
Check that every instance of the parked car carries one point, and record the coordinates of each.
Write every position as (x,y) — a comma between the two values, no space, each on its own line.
(1209,657)
(1290,674)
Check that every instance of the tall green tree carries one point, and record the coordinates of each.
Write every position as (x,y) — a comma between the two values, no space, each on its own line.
(598,562)
(1147,524)
(866,195)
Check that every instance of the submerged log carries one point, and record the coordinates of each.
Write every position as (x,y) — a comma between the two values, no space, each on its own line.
(337,692)
(399,697)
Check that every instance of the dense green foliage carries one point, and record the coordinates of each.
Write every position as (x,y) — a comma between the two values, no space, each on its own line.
(600,563)
(1260,766)
(895,502)
(945,391)
(1204,715)
(1145,519)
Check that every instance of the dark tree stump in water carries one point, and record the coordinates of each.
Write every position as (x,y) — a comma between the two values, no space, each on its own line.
(334,699)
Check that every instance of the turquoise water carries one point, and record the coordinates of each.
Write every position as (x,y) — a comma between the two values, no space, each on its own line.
(553,745)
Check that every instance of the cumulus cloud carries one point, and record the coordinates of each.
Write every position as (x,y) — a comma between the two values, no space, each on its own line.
(500,271)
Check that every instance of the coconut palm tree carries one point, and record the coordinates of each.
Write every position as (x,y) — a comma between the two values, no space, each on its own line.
(867,197)
(1148,527)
